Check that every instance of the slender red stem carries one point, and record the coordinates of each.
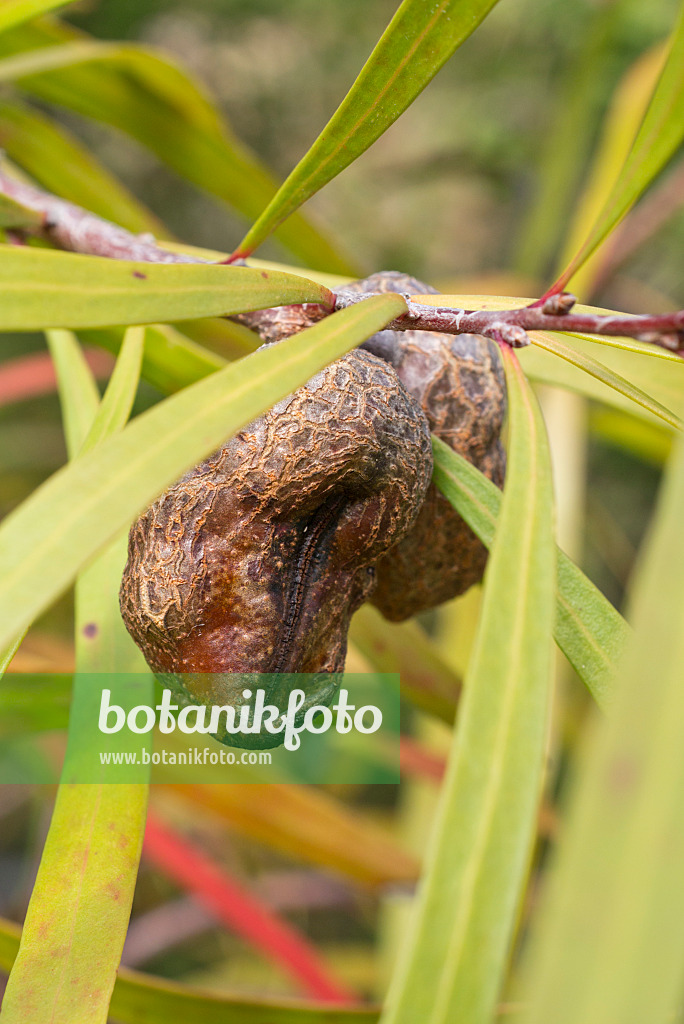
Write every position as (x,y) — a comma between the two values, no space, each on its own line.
(230,902)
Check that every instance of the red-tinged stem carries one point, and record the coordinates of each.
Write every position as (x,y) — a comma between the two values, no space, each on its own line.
(230,903)
(512,325)
(72,228)
(239,256)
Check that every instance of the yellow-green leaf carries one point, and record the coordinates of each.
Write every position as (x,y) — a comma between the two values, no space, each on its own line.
(13,12)
(142,998)
(454,960)
(64,166)
(421,37)
(619,130)
(78,913)
(552,343)
(84,836)
(608,943)
(155,102)
(658,139)
(45,542)
(117,402)
(589,631)
(42,289)
(78,391)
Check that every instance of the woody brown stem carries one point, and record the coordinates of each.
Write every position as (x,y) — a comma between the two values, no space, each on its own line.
(70,227)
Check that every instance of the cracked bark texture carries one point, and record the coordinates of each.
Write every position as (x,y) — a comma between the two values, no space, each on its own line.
(255,561)
(459,384)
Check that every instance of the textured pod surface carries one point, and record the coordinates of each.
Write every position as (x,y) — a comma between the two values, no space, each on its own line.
(256,559)
(459,383)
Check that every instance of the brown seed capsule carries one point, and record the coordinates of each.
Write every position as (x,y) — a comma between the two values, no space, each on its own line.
(460,385)
(256,559)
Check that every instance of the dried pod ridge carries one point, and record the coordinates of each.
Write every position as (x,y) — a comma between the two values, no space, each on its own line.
(459,384)
(255,560)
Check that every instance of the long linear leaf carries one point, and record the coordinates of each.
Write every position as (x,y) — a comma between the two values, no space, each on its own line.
(151,99)
(84,835)
(453,964)
(142,999)
(589,631)
(64,166)
(46,540)
(170,360)
(426,680)
(562,154)
(13,12)
(69,365)
(619,130)
(15,215)
(78,914)
(608,944)
(421,37)
(47,58)
(552,343)
(664,383)
(117,402)
(78,391)
(659,137)
(43,289)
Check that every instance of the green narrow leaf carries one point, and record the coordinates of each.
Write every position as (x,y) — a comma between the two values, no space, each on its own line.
(403,647)
(659,137)
(13,12)
(141,998)
(78,391)
(552,343)
(589,631)
(664,383)
(608,944)
(170,360)
(14,215)
(163,108)
(68,519)
(47,58)
(454,960)
(620,127)
(116,405)
(421,37)
(661,380)
(59,974)
(43,289)
(56,160)
(8,651)
(563,154)
(78,914)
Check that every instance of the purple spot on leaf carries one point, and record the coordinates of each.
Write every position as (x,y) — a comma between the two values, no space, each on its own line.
(90,630)
(138,273)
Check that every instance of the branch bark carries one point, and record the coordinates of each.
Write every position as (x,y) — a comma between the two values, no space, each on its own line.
(70,227)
